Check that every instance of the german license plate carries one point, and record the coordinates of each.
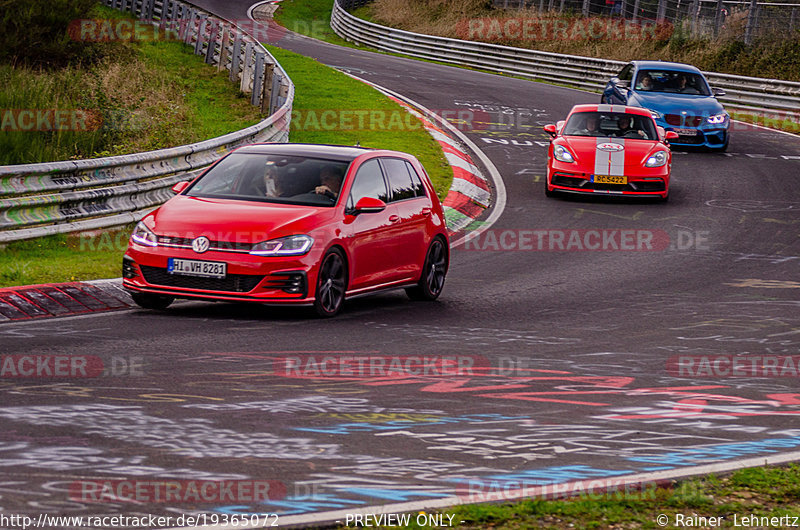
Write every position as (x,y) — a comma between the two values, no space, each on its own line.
(610,179)
(686,132)
(202,269)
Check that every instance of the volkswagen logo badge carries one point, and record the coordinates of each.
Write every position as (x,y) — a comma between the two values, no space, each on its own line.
(201,244)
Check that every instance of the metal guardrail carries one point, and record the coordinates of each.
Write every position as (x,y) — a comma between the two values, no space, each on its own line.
(588,73)
(58,197)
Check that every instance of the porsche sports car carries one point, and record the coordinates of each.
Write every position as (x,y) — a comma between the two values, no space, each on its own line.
(679,97)
(293,224)
(609,150)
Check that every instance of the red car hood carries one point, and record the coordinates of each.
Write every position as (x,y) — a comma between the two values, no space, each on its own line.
(234,220)
(609,156)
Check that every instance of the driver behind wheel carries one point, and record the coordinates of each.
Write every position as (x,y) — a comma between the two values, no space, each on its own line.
(330,182)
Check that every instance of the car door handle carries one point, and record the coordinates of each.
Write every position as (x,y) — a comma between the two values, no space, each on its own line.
(394,218)
(426,211)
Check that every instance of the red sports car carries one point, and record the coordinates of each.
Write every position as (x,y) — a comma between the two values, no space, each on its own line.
(293,224)
(609,150)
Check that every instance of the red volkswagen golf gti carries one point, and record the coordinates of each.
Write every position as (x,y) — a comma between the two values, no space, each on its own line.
(293,224)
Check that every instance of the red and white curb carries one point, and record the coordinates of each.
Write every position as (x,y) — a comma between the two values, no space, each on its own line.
(470,193)
(62,299)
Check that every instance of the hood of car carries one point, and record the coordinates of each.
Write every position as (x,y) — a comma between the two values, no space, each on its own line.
(233,220)
(607,156)
(667,103)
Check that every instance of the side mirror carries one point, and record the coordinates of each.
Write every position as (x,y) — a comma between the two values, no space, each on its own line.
(717,92)
(368,205)
(560,125)
(622,85)
(180,186)
(672,135)
(550,129)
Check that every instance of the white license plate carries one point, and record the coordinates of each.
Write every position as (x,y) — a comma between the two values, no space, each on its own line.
(191,267)
(686,132)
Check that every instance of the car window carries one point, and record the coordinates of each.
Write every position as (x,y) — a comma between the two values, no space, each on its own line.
(271,178)
(368,183)
(672,81)
(626,74)
(400,183)
(611,125)
(418,186)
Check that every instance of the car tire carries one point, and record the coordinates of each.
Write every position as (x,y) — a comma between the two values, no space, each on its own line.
(152,301)
(548,192)
(434,271)
(331,284)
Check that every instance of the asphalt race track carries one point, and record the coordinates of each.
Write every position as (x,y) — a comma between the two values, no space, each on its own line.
(568,340)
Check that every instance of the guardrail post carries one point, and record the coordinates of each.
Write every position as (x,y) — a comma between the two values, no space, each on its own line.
(792,20)
(718,17)
(201,34)
(277,93)
(661,14)
(550,5)
(223,48)
(236,57)
(258,79)
(751,22)
(212,42)
(267,89)
(560,6)
(247,69)
(187,31)
(636,10)
(585,8)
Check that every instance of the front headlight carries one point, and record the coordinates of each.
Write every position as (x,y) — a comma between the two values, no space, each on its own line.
(657,159)
(717,119)
(656,115)
(562,154)
(144,236)
(284,246)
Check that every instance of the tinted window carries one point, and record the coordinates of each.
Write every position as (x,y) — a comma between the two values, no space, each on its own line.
(611,124)
(269,178)
(368,183)
(400,183)
(627,73)
(417,182)
(672,81)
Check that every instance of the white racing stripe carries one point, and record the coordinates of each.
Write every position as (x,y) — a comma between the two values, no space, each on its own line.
(608,161)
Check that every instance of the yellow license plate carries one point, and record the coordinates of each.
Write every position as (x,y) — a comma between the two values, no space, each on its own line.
(610,179)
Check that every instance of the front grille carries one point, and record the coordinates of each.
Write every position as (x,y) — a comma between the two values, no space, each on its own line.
(232,283)
(696,139)
(185,242)
(678,120)
(584,184)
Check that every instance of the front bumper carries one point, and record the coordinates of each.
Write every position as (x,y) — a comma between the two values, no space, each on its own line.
(705,135)
(271,280)
(643,186)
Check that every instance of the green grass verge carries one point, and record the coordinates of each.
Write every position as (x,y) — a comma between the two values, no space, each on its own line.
(754,492)
(142,95)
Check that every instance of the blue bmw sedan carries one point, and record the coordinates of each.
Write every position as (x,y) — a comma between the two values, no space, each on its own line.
(679,97)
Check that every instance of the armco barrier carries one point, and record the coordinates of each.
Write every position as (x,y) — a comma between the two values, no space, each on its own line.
(588,73)
(58,197)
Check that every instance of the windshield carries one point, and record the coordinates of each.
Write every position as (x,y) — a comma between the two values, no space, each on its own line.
(611,124)
(273,178)
(672,82)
